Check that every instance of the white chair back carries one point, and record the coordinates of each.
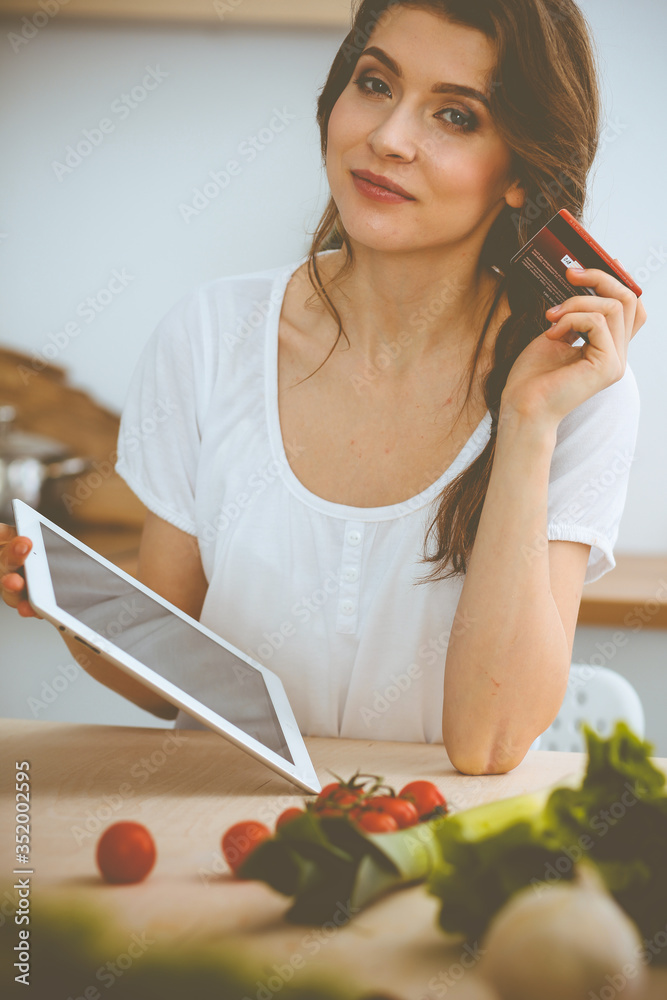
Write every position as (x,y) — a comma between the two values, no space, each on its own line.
(595,695)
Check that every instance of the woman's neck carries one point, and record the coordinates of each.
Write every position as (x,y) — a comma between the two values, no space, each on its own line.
(392,301)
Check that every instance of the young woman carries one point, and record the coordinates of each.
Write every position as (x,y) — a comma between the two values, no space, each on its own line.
(398,398)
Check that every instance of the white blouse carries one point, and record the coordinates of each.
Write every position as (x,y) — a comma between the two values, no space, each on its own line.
(324,593)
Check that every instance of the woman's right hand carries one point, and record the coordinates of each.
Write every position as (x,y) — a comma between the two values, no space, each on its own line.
(14,550)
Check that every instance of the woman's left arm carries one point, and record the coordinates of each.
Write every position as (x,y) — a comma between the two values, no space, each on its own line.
(506,673)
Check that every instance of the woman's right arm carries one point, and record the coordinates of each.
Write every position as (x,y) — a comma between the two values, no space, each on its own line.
(169,563)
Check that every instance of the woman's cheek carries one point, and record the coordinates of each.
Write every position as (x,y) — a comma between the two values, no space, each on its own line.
(345,121)
(478,178)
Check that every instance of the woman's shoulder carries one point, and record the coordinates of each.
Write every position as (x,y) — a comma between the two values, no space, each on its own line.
(237,287)
(241,279)
(221,311)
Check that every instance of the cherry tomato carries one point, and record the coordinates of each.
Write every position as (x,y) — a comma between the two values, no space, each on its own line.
(327,790)
(425,795)
(125,853)
(241,840)
(337,794)
(403,811)
(287,815)
(377,822)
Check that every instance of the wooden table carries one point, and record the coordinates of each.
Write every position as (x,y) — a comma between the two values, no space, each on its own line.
(188,787)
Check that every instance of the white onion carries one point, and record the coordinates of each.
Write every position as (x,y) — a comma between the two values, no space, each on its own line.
(569,941)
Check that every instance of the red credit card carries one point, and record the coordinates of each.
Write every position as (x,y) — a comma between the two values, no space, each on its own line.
(564,243)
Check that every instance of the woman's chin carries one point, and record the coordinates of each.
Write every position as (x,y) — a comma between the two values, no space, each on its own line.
(373,239)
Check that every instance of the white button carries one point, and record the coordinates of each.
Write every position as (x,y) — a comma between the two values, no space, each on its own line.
(347,607)
(353,537)
(351,574)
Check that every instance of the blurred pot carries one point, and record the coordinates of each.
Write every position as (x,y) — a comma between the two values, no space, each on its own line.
(34,468)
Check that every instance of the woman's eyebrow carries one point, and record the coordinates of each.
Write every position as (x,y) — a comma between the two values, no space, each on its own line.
(437,88)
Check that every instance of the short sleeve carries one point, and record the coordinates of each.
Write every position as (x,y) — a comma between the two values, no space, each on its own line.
(159,438)
(590,470)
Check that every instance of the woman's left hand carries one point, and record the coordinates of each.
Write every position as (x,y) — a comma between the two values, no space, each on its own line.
(551,377)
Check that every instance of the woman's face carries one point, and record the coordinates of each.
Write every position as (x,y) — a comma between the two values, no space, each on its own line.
(442,148)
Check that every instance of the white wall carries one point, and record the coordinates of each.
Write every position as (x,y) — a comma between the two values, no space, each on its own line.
(61,239)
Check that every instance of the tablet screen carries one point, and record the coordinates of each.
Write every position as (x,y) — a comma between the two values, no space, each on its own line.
(163,641)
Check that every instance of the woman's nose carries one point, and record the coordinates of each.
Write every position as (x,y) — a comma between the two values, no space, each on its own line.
(395,135)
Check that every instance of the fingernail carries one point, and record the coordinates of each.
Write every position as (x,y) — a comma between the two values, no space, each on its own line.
(22,548)
(554,311)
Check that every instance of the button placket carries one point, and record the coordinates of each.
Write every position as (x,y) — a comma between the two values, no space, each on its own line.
(349,577)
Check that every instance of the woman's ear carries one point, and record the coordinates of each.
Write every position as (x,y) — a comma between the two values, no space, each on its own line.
(515,195)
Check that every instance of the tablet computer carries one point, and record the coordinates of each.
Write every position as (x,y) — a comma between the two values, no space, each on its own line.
(111,613)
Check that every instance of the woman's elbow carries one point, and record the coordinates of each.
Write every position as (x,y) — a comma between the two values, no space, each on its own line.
(496,758)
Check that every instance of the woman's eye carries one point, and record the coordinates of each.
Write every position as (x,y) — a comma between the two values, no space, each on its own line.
(365,78)
(462,121)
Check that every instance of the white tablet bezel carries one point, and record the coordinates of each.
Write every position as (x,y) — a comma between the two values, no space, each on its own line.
(42,599)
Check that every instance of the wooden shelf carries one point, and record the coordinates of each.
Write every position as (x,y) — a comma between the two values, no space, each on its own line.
(633,595)
(320,13)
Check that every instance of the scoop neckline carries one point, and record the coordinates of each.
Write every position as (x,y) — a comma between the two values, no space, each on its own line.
(471,449)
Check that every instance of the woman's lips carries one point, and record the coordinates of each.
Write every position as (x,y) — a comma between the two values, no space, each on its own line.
(377,193)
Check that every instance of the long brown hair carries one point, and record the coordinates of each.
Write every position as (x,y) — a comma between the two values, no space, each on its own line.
(545,103)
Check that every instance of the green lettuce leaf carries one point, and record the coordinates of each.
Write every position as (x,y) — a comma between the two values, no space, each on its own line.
(616,820)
